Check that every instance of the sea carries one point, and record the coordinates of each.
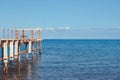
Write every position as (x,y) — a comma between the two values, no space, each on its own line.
(68,59)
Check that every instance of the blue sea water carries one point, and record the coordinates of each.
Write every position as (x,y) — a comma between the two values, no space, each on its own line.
(69,60)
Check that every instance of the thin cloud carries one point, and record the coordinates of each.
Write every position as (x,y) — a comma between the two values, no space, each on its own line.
(49,29)
(64,28)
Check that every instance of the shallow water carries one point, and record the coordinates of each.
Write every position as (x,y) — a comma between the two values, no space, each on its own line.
(69,60)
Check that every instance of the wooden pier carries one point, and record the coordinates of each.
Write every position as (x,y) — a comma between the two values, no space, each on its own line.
(14,42)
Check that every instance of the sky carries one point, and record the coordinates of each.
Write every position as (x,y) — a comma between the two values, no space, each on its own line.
(64,19)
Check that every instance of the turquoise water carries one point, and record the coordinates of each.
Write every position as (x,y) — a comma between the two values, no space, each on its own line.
(70,60)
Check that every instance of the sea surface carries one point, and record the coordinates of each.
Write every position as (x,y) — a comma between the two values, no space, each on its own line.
(69,60)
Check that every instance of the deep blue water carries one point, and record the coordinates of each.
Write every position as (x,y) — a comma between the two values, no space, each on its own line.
(70,60)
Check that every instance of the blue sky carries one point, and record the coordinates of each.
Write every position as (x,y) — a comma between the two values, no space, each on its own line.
(74,19)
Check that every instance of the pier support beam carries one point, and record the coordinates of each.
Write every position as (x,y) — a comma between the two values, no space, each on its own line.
(5,52)
(11,50)
(30,44)
(5,56)
(16,49)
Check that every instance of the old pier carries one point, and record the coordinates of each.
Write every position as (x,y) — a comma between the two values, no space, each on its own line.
(12,41)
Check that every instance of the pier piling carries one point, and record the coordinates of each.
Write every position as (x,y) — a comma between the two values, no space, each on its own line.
(16,48)
(11,50)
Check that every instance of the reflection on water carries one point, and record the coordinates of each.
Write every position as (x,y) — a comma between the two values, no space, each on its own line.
(22,70)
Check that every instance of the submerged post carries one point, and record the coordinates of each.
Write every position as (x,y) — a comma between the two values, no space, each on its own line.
(36,49)
(18,76)
(32,50)
(18,54)
(32,37)
(27,53)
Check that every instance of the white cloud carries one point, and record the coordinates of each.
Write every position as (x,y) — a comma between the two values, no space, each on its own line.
(49,29)
(64,28)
